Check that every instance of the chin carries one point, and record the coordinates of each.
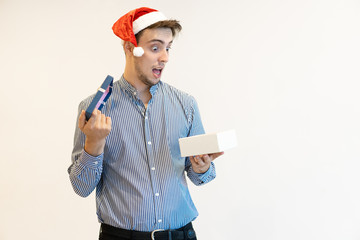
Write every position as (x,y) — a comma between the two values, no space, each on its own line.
(150,82)
(154,82)
(154,79)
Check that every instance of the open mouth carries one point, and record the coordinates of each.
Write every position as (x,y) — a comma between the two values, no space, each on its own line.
(157,72)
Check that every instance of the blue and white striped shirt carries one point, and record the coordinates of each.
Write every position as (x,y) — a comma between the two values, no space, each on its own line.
(140,177)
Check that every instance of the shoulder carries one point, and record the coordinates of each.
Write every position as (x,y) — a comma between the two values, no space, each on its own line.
(86,102)
(180,100)
(176,94)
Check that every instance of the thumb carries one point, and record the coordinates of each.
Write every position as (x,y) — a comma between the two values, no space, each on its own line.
(82,120)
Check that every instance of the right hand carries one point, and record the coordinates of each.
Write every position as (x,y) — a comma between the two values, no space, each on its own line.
(96,131)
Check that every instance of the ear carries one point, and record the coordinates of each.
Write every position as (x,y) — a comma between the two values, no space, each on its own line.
(128,47)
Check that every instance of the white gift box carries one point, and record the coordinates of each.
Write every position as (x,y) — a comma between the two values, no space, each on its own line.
(207,143)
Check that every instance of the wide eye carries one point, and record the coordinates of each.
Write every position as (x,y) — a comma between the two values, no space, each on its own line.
(154,48)
(168,49)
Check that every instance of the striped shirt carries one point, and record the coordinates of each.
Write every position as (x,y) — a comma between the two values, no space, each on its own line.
(140,177)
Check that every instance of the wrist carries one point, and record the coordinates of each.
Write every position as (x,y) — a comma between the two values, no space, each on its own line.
(200,170)
(94,148)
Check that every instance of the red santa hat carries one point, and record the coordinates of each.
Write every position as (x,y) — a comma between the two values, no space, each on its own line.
(135,21)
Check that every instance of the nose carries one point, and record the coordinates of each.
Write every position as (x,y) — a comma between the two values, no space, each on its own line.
(164,56)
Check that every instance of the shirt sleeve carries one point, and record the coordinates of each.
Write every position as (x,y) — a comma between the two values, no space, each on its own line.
(85,170)
(200,178)
(196,129)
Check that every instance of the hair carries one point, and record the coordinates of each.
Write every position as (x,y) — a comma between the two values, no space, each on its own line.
(174,26)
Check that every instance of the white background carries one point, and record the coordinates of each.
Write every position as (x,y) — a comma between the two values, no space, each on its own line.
(283,74)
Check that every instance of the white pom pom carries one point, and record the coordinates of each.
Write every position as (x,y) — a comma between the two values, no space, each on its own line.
(138,51)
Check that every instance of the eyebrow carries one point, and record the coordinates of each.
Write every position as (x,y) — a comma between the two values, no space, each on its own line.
(160,41)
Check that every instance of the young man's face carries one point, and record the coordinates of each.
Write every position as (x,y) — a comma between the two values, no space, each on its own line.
(156,44)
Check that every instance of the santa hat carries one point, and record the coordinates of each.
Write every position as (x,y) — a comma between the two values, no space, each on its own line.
(135,21)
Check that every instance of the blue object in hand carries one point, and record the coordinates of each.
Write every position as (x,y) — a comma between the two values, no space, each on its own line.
(101,96)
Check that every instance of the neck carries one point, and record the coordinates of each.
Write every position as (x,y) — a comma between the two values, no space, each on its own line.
(136,82)
(142,88)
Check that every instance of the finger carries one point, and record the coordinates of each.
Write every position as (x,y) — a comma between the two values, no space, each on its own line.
(82,120)
(97,118)
(193,160)
(93,117)
(206,158)
(199,159)
(108,121)
(216,155)
(103,119)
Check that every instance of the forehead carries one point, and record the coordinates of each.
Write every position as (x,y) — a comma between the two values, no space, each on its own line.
(163,35)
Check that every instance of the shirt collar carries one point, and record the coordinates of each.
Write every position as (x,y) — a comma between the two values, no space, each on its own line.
(129,89)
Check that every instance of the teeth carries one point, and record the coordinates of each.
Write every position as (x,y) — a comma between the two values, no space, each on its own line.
(157,71)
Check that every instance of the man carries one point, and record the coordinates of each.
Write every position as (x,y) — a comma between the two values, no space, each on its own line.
(130,152)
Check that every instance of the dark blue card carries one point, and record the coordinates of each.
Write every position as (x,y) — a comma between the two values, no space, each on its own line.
(101,96)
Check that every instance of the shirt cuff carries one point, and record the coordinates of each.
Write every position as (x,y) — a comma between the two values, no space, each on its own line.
(88,161)
(207,176)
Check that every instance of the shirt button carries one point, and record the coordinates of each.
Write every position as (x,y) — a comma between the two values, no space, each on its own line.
(157,194)
(149,142)
(153,168)
(160,220)
(96,162)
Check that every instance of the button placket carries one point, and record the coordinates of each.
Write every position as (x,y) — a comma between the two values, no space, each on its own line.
(151,164)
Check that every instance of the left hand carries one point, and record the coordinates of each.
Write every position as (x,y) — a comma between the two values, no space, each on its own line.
(201,163)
